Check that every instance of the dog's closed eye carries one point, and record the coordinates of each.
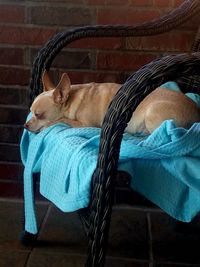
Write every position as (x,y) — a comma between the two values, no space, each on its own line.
(39,116)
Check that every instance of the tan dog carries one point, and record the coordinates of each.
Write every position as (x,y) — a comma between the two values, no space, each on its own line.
(85,105)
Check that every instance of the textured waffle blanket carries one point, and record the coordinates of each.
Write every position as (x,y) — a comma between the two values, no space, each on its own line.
(164,167)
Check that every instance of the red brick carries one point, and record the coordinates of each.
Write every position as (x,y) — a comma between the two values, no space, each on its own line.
(178,2)
(74,2)
(12,116)
(173,41)
(98,43)
(122,61)
(25,35)
(9,171)
(11,134)
(191,24)
(67,59)
(95,76)
(182,41)
(13,96)
(141,3)
(95,2)
(118,2)
(9,153)
(163,3)
(125,16)
(61,16)
(11,56)
(14,76)
(11,189)
(12,13)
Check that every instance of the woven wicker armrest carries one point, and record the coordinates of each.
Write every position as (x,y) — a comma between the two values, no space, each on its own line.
(132,92)
(52,48)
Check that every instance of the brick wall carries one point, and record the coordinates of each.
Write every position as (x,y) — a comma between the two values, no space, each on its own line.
(26,25)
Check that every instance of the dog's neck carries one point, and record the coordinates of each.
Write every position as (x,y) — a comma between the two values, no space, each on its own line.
(70,107)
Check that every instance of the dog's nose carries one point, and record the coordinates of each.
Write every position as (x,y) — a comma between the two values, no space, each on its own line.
(26,126)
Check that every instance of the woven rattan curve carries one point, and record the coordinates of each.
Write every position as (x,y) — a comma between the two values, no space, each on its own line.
(196,44)
(47,54)
(144,81)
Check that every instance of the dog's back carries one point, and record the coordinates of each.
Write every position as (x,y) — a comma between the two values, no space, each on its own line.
(88,103)
(163,104)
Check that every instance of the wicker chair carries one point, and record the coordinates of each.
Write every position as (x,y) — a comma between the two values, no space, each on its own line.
(183,68)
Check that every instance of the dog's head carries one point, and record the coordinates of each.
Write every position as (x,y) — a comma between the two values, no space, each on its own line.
(47,107)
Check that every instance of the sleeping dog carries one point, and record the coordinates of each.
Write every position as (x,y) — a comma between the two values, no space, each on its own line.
(85,105)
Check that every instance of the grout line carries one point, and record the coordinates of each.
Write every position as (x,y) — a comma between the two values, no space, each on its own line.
(21,200)
(18,107)
(115,207)
(9,144)
(27,259)
(11,125)
(178,264)
(11,200)
(39,229)
(41,226)
(10,162)
(150,240)
(138,207)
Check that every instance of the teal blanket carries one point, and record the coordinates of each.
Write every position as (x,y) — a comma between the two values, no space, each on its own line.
(164,167)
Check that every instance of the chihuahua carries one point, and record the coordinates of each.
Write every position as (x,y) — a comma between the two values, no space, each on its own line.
(85,105)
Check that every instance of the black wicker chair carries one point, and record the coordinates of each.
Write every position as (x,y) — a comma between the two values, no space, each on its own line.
(183,68)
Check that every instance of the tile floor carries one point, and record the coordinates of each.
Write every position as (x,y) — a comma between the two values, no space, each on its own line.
(139,237)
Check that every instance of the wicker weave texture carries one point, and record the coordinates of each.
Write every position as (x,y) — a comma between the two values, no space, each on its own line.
(117,117)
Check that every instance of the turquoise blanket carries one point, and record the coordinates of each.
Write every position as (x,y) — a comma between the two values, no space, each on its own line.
(164,167)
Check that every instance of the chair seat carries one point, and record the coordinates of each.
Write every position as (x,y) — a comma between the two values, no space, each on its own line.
(183,69)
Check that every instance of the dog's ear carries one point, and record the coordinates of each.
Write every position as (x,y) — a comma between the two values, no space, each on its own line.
(47,83)
(61,91)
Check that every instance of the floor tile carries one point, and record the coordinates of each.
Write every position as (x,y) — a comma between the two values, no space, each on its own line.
(172,245)
(11,224)
(128,234)
(62,232)
(131,197)
(62,241)
(13,259)
(117,262)
(170,264)
(38,259)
